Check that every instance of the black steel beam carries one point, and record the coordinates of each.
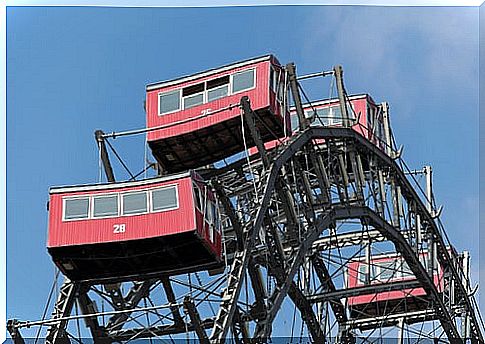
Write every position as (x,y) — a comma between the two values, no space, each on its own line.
(87,306)
(167,286)
(250,121)
(407,191)
(56,333)
(230,212)
(108,169)
(157,331)
(295,92)
(403,247)
(194,316)
(15,334)
(264,327)
(307,313)
(326,280)
(134,296)
(339,81)
(363,290)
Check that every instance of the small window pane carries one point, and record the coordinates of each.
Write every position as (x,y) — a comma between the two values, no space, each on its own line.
(134,203)
(197,196)
(76,208)
(209,212)
(323,117)
(362,273)
(188,91)
(218,82)
(294,122)
(335,114)
(281,90)
(387,270)
(164,199)
(217,93)
(273,79)
(243,81)
(370,117)
(406,271)
(105,206)
(194,100)
(169,102)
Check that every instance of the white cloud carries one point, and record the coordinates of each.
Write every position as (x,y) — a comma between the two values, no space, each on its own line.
(423,47)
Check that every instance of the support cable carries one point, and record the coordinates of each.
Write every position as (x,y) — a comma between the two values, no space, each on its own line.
(46,308)
(120,160)
(169,125)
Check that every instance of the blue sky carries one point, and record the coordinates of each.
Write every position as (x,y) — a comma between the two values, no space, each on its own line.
(73,70)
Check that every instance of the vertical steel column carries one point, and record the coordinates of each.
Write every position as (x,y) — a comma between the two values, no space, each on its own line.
(291,69)
(400,338)
(88,306)
(194,316)
(358,175)
(167,286)
(56,333)
(395,204)
(387,128)
(250,121)
(339,80)
(108,170)
(368,255)
(428,171)
(419,232)
(466,270)
(382,192)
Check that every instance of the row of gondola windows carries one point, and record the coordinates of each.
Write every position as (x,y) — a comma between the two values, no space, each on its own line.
(385,271)
(205,92)
(120,204)
(331,115)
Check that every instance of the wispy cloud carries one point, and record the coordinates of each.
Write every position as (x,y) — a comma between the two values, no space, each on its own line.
(425,47)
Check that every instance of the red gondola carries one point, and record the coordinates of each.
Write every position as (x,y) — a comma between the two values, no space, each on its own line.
(196,120)
(387,269)
(366,115)
(158,225)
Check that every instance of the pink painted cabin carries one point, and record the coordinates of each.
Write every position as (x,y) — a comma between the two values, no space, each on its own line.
(155,225)
(196,120)
(363,109)
(386,269)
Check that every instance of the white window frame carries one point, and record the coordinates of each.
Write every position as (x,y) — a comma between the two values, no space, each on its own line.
(134,192)
(151,210)
(64,199)
(93,217)
(204,93)
(231,81)
(192,95)
(366,271)
(215,88)
(168,92)
(332,119)
(195,196)
(394,275)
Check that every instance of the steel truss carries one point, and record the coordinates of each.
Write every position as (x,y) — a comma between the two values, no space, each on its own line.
(294,218)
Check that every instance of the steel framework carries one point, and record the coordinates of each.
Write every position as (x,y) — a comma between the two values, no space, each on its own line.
(293,219)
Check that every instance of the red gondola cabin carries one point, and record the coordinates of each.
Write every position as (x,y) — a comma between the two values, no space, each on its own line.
(363,111)
(196,120)
(387,269)
(366,114)
(158,225)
